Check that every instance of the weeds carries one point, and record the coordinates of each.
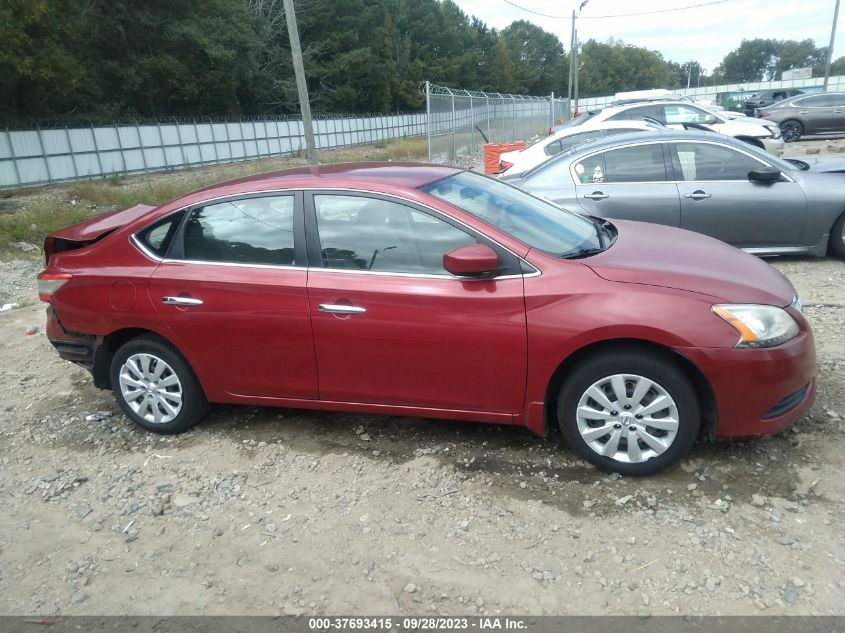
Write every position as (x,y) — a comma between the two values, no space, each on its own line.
(32,224)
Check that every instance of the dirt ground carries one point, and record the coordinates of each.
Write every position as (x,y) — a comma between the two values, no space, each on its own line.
(270,511)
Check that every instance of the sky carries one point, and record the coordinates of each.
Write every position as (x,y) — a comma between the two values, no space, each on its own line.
(704,34)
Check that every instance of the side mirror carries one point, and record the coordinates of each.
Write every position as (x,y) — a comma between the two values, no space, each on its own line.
(471,261)
(710,119)
(764,174)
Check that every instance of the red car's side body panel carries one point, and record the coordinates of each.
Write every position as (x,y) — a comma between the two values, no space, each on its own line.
(429,342)
(251,336)
(428,346)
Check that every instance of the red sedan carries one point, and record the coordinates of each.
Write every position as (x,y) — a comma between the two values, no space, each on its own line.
(429,291)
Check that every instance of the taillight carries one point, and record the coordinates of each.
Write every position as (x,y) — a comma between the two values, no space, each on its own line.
(49,283)
(762,115)
(504,166)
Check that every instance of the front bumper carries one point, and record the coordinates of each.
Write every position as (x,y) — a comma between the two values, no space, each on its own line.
(759,391)
(773,145)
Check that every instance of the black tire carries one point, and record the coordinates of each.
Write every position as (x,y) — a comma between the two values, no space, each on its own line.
(657,368)
(837,238)
(152,351)
(791,130)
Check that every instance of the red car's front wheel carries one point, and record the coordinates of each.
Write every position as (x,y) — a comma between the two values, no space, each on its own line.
(628,412)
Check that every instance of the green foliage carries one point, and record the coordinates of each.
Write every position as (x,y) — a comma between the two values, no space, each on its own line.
(30,226)
(607,68)
(766,59)
(540,64)
(68,61)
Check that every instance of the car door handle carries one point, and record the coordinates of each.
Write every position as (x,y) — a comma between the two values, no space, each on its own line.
(697,195)
(802,112)
(181,301)
(838,111)
(597,195)
(340,309)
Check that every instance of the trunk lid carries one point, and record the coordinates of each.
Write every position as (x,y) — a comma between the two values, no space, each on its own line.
(89,231)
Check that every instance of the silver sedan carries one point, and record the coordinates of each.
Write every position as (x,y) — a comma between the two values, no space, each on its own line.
(703,182)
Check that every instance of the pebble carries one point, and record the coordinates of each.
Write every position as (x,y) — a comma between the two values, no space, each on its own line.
(790,592)
(410,588)
(758,500)
(180,500)
(82,510)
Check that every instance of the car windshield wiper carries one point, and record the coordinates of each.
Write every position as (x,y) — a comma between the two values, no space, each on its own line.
(599,227)
(581,253)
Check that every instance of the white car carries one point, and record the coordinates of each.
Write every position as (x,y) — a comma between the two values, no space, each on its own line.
(675,113)
(578,131)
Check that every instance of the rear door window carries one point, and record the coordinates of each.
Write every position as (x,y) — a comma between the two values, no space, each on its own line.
(638,163)
(248,231)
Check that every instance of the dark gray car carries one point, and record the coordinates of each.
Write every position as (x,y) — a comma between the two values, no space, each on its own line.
(808,114)
(703,182)
(767,98)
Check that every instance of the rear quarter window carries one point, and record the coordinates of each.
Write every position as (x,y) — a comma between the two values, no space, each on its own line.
(158,237)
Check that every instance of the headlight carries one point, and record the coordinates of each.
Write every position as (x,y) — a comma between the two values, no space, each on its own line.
(775,130)
(758,325)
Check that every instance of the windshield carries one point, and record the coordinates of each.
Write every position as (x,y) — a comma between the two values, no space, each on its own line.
(536,222)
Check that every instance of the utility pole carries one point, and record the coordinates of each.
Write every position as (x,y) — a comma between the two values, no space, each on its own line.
(575,89)
(689,74)
(575,51)
(301,86)
(571,67)
(830,48)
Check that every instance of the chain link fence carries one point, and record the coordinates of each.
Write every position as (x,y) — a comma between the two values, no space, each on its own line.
(57,154)
(460,122)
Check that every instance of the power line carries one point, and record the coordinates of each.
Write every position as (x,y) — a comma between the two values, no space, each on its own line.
(618,15)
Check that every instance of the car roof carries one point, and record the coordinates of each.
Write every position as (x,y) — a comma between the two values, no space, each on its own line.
(643,137)
(401,174)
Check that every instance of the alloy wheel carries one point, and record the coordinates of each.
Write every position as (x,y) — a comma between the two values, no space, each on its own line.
(627,418)
(791,131)
(151,388)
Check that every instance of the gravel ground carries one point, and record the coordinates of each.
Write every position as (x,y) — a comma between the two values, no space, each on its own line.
(266,511)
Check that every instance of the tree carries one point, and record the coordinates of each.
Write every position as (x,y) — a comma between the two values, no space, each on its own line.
(837,67)
(607,68)
(691,71)
(766,59)
(537,56)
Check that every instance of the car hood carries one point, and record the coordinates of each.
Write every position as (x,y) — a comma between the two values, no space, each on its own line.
(657,255)
(822,164)
(749,125)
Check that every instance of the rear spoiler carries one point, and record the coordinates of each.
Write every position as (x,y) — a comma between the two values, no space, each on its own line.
(89,231)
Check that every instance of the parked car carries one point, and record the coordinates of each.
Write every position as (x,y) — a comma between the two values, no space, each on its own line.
(819,163)
(675,114)
(520,161)
(807,114)
(767,98)
(703,182)
(430,291)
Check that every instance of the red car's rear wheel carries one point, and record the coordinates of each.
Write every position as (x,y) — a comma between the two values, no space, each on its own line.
(155,387)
